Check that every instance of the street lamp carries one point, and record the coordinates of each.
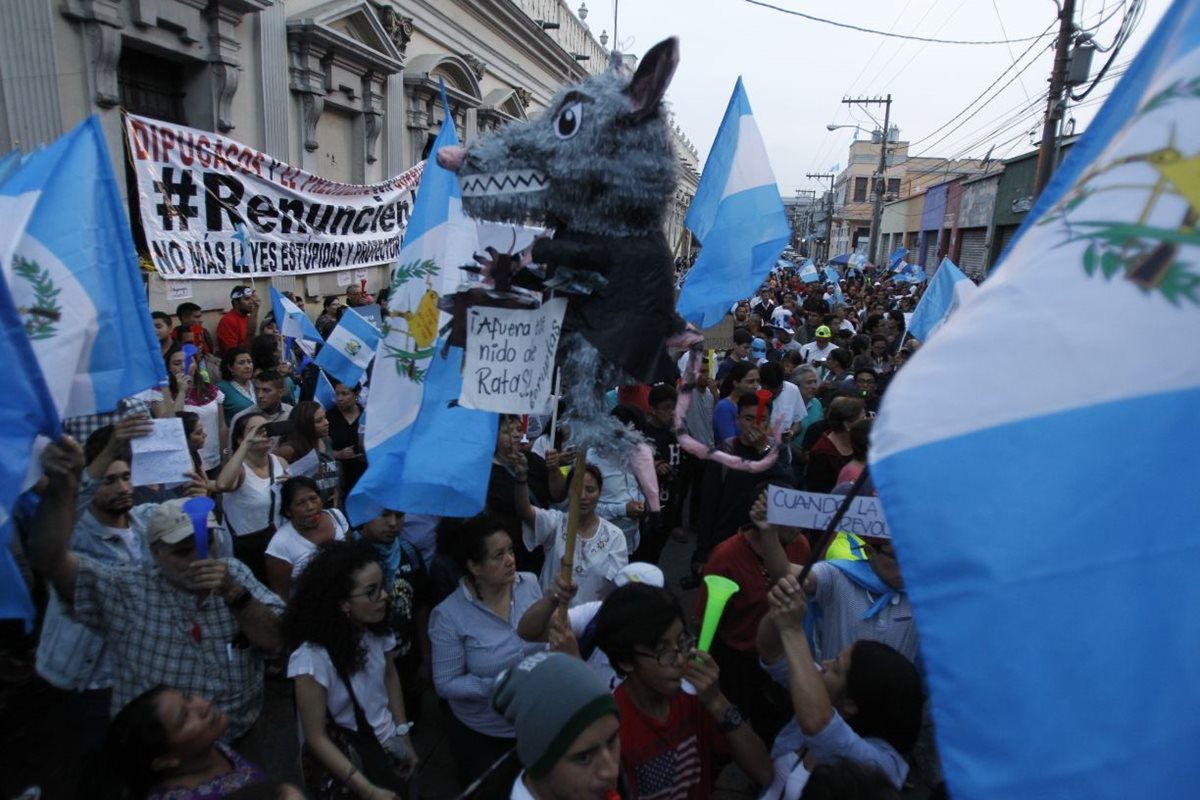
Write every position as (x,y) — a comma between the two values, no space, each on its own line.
(880,176)
(833,127)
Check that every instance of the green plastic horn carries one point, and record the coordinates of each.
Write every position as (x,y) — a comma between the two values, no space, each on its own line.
(720,589)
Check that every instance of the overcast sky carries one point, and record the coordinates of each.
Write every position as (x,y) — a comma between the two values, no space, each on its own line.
(796,71)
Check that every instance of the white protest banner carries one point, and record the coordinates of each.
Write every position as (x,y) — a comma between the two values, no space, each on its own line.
(509,361)
(213,208)
(815,510)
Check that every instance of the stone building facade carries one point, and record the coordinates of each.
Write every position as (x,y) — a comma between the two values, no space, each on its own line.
(346,89)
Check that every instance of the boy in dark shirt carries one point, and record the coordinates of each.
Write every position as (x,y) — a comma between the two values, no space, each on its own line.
(667,463)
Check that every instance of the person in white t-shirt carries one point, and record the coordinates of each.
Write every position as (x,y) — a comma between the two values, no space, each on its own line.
(336,626)
(307,525)
(600,547)
(820,347)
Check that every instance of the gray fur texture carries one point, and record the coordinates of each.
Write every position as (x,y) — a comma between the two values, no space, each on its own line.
(600,168)
(615,175)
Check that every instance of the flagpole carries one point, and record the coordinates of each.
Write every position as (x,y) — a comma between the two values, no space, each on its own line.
(568,559)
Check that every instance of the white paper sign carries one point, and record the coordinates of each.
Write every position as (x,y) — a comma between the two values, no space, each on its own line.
(815,510)
(179,290)
(306,466)
(345,277)
(360,275)
(161,456)
(509,363)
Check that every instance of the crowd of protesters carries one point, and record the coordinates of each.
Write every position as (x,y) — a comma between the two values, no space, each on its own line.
(152,652)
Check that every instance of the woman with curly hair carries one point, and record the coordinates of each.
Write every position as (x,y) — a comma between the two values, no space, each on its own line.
(336,623)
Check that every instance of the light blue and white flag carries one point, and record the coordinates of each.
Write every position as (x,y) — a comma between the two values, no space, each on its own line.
(293,323)
(439,239)
(738,217)
(69,260)
(324,393)
(948,290)
(1044,509)
(832,275)
(350,348)
(909,273)
(897,258)
(26,412)
(809,272)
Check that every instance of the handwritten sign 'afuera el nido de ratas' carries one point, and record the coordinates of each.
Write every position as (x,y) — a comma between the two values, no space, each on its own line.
(509,363)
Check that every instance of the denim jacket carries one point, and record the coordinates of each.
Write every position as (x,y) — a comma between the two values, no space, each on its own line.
(69,651)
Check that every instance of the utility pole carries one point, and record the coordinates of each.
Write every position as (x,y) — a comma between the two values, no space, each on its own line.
(1054,105)
(828,206)
(880,177)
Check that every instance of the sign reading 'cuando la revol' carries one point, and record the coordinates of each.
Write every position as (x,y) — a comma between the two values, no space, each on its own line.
(214,208)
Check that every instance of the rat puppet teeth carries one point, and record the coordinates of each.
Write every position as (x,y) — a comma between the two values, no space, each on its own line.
(518,181)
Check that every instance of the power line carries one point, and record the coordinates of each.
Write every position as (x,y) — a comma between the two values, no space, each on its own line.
(886,33)
(1004,32)
(970,116)
(921,49)
(878,47)
(1130,21)
(989,88)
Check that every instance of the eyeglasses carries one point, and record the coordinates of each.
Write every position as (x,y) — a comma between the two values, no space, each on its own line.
(372,592)
(670,656)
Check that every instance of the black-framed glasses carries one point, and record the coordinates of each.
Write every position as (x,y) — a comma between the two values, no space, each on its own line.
(670,656)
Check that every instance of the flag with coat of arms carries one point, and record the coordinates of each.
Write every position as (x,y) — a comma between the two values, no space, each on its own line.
(1044,509)
(350,347)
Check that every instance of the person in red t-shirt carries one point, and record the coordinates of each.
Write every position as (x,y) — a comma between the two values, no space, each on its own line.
(669,737)
(743,559)
(236,324)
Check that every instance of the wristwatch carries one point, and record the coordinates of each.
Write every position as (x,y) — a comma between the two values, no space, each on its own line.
(732,721)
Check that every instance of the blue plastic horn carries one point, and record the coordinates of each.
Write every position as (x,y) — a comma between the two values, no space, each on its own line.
(189,353)
(198,508)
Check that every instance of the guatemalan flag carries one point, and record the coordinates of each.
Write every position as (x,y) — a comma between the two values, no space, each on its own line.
(809,272)
(350,348)
(26,412)
(425,453)
(1040,464)
(948,290)
(68,258)
(738,217)
(293,323)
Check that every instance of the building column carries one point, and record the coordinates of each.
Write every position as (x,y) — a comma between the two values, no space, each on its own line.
(31,114)
(273,75)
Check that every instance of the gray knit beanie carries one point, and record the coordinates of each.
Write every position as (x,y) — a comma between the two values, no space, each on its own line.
(549,698)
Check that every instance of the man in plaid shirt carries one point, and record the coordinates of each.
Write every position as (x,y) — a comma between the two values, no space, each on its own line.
(200,625)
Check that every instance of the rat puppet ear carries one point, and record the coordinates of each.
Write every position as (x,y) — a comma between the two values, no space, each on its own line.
(650,82)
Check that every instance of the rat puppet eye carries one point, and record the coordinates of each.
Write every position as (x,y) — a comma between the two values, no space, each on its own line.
(568,120)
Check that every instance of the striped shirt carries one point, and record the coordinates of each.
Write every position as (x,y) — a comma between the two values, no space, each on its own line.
(472,646)
(843,609)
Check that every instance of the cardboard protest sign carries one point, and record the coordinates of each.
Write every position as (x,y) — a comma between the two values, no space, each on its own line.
(213,208)
(509,362)
(815,510)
